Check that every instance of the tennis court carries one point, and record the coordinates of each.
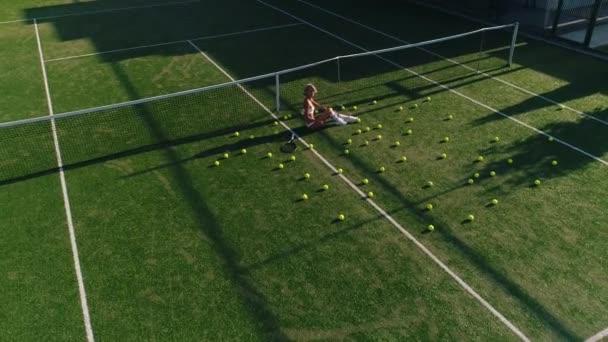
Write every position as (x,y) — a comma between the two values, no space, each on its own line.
(120,226)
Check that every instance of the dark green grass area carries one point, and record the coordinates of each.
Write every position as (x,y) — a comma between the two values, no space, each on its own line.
(21,87)
(174,247)
(39,293)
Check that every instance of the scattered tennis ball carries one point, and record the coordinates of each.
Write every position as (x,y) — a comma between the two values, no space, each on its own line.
(429,183)
(366,143)
(561,106)
(429,206)
(349,141)
(378,137)
(226,155)
(496,139)
(537,182)
(269,154)
(342,107)
(341,217)
(292,158)
(404,158)
(359,131)
(450,117)
(325,187)
(400,108)
(276,123)
(382,169)
(216,163)
(509,161)
(476,175)
(410,120)
(471,218)
(443,156)
(354,107)
(493,174)
(281,166)
(346,152)
(358,120)
(428,98)
(304,197)
(430,228)
(471,181)
(252,136)
(495,202)
(307,175)
(243,151)
(340,171)
(311,146)
(415,105)
(236,134)
(409,132)
(397,143)
(365,181)
(554,163)
(446,139)
(370,194)
(289,116)
(480,158)
(375,102)
(379,126)
(550,139)
(367,129)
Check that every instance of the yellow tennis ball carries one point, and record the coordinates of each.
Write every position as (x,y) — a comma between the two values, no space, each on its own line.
(370,194)
(341,217)
(325,187)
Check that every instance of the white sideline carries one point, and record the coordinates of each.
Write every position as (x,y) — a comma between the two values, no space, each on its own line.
(66,200)
(446,88)
(14,21)
(459,280)
(173,42)
(529,92)
(597,337)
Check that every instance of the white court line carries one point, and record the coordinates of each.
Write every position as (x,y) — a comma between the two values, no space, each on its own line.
(529,92)
(119,9)
(66,200)
(597,337)
(459,280)
(173,42)
(447,88)
(101,11)
(14,21)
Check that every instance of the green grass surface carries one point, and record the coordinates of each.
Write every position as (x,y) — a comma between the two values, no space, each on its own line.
(173,247)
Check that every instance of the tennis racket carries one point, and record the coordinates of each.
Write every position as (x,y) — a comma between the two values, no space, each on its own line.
(290,146)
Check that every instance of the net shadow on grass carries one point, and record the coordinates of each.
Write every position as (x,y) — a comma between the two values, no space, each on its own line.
(483,265)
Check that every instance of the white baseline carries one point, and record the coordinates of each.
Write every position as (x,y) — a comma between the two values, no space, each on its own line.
(459,280)
(174,42)
(66,201)
(599,336)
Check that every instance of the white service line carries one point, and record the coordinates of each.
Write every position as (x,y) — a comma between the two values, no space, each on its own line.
(66,201)
(524,90)
(445,87)
(599,336)
(174,42)
(459,280)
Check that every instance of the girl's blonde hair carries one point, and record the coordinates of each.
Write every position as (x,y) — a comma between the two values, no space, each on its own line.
(310,86)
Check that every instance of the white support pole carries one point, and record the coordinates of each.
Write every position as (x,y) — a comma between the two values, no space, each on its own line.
(513,43)
(277,92)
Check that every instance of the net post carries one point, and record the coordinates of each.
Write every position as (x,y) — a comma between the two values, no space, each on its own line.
(277,92)
(339,74)
(513,42)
